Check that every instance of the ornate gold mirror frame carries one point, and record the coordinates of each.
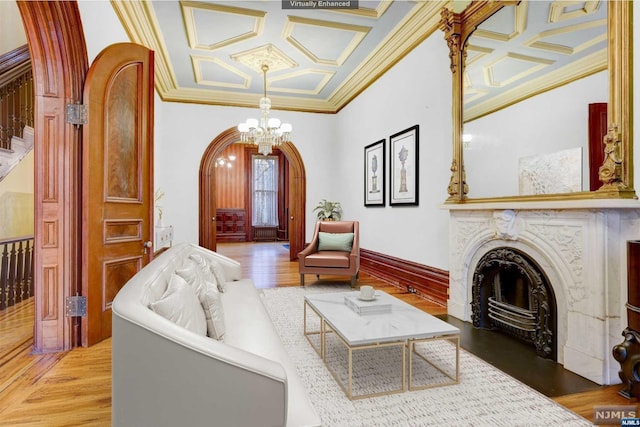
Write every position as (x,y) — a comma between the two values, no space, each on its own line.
(616,172)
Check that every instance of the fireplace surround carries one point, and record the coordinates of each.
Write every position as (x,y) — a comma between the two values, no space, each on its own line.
(578,246)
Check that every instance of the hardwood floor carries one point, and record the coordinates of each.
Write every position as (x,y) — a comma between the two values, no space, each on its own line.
(74,388)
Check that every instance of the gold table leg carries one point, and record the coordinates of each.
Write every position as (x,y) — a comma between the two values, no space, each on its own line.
(454,379)
(307,333)
(348,387)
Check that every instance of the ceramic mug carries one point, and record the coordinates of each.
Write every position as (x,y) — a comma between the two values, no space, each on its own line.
(367,292)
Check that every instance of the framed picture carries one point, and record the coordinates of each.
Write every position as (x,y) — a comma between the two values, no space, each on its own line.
(374,177)
(403,167)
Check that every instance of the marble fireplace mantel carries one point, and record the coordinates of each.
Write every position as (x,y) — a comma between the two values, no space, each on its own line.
(581,247)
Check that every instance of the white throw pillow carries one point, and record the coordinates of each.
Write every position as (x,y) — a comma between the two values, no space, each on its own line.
(193,276)
(203,265)
(180,304)
(213,312)
(221,276)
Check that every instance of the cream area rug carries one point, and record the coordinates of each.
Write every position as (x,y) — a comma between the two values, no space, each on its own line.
(485,396)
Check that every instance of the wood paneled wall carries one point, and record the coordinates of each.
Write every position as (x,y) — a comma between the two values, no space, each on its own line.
(231,182)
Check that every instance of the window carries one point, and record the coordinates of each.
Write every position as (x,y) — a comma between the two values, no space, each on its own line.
(264,191)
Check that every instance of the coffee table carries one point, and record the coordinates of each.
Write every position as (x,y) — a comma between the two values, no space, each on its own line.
(402,326)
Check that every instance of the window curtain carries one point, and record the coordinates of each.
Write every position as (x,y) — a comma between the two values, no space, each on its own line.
(265,191)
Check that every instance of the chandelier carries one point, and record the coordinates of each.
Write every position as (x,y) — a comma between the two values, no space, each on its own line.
(265,132)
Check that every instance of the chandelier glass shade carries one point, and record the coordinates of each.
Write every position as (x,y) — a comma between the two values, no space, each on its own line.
(265,132)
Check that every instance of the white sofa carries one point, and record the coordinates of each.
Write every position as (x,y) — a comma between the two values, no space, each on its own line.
(166,375)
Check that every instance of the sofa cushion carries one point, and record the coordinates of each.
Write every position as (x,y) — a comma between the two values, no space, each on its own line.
(181,305)
(327,259)
(221,277)
(213,311)
(335,241)
(204,267)
(193,276)
(196,273)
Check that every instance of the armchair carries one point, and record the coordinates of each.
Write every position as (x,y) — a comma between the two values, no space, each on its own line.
(332,251)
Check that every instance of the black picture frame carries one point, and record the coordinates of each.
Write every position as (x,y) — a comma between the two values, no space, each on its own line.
(374,174)
(404,167)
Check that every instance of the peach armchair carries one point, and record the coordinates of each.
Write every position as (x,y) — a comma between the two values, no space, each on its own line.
(334,250)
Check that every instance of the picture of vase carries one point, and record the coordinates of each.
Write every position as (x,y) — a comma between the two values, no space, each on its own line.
(374,177)
(403,166)
(374,174)
(402,156)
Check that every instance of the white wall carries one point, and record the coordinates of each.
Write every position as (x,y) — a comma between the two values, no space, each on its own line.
(16,199)
(12,33)
(101,26)
(415,91)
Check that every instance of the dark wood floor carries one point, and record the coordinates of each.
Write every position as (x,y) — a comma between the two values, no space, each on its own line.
(74,388)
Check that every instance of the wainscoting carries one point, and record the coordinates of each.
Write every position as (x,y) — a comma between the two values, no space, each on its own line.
(231,225)
(428,282)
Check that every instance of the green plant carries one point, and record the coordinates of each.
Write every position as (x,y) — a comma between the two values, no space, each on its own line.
(328,210)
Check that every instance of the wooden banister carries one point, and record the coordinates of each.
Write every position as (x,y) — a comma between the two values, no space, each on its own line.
(16,94)
(16,270)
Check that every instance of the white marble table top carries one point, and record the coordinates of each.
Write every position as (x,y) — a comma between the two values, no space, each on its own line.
(402,323)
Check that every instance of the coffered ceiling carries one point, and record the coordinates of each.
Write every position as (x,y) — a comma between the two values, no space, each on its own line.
(319,60)
(532,47)
(211,52)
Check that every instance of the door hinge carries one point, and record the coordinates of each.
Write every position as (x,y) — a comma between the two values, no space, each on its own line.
(76,306)
(76,114)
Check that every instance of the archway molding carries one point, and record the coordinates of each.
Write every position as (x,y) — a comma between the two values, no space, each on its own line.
(59,60)
(207,192)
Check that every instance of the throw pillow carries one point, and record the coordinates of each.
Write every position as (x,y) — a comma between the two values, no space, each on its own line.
(192,275)
(213,312)
(180,304)
(221,276)
(203,265)
(335,241)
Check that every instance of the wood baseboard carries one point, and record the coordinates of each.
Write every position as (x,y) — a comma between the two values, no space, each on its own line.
(428,282)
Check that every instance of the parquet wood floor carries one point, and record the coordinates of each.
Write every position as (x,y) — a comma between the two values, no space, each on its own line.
(74,388)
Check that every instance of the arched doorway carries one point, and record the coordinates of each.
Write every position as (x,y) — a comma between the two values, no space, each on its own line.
(207,200)
(60,63)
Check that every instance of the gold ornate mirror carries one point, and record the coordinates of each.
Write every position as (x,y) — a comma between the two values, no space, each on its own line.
(596,36)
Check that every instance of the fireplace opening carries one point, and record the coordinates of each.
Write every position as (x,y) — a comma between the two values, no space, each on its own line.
(512,294)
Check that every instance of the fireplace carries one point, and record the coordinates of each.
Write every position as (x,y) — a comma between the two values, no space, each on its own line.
(512,294)
(550,272)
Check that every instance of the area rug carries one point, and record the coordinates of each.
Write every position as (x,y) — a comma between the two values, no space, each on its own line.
(485,396)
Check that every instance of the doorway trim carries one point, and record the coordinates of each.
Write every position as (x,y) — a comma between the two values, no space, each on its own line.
(59,60)
(207,192)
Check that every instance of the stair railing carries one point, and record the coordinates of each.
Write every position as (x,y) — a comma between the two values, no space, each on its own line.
(16,270)
(16,94)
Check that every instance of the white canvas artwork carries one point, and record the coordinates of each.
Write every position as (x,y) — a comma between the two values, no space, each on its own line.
(559,172)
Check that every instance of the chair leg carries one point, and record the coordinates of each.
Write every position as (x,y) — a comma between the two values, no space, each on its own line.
(302,280)
(354,281)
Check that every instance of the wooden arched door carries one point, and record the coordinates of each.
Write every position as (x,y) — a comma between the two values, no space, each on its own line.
(207,196)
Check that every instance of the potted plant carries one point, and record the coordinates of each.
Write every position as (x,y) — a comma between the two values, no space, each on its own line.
(328,211)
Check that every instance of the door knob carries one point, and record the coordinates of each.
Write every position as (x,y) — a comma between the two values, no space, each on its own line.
(148,244)
(213,219)
(291,218)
